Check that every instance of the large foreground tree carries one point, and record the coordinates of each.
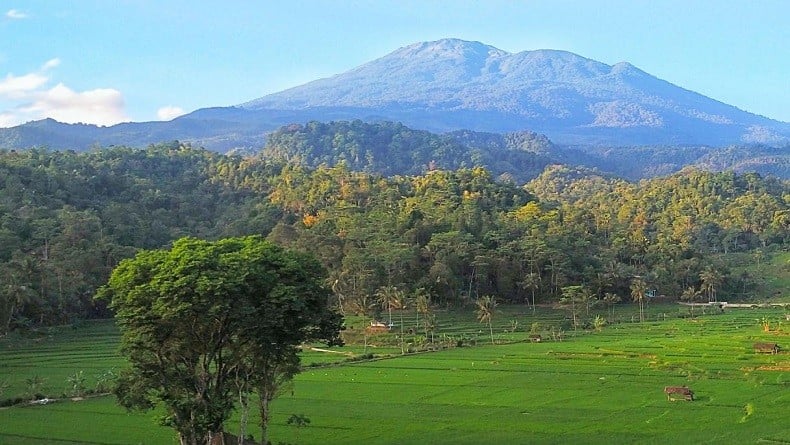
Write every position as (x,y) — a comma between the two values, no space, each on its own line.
(205,321)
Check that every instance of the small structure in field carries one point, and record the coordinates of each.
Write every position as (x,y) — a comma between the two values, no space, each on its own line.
(377,326)
(766,348)
(678,393)
(535,338)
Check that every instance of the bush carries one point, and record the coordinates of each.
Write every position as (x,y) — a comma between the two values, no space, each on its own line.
(12,401)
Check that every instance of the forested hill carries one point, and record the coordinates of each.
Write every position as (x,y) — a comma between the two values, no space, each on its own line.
(391,148)
(66,219)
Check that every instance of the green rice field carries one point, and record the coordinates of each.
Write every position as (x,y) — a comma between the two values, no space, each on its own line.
(591,387)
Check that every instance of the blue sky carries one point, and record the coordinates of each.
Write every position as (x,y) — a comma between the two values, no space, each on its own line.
(103,62)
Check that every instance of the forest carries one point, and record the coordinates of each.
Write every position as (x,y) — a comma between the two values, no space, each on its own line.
(450,230)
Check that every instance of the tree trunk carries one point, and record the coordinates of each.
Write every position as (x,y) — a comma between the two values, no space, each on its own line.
(266,398)
(573,311)
(402,351)
(244,402)
(7,320)
(491,331)
(533,301)
(187,439)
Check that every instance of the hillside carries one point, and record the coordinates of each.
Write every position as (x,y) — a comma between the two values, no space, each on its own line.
(394,149)
(66,219)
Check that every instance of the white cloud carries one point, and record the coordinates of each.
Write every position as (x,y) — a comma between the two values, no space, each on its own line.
(51,63)
(27,97)
(15,14)
(100,106)
(18,87)
(169,112)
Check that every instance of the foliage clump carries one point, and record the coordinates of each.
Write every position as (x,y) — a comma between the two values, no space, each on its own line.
(205,322)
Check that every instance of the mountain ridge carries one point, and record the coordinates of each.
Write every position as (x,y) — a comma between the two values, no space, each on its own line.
(528,84)
(453,84)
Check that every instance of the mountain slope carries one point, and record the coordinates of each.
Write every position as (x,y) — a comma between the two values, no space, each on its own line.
(450,85)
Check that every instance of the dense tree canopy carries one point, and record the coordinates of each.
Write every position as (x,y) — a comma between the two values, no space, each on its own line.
(67,219)
(204,320)
(391,148)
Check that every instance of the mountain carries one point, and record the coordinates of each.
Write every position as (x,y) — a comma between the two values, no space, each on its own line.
(452,84)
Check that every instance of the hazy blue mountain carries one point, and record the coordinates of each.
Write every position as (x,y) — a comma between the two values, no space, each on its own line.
(450,85)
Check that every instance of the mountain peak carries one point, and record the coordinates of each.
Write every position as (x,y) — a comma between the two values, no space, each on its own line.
(449,48)
(485,88)
(625,68)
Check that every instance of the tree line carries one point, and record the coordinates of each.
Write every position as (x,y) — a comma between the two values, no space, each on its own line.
(451,234)
(391,148)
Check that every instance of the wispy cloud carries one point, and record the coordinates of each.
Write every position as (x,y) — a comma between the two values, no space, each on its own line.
(17,87)
(169,112)
(15,14)
(28,97)
(51,63)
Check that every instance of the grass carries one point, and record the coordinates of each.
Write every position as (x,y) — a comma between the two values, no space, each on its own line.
(771,273)
(593,387)
(55,354)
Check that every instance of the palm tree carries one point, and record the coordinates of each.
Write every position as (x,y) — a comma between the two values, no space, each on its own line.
(690,294)
(611,299)
(485,312)
(403,303)
(638,291)
(389,297)
(710,279)
(570,296)
(363,306)
(14,293)
(531,281)
(422,303)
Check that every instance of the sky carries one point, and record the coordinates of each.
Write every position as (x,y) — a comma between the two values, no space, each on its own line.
(105,62)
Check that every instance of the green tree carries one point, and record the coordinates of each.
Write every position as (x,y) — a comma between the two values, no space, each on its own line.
(711,279)
(485,312)
(573,297)
(638,294)
(611,299)
(422,304)
(15,291)
(389,297)
(531,281)
(690,294)
(194,316)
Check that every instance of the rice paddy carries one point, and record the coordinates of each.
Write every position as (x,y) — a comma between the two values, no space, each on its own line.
(590,387)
